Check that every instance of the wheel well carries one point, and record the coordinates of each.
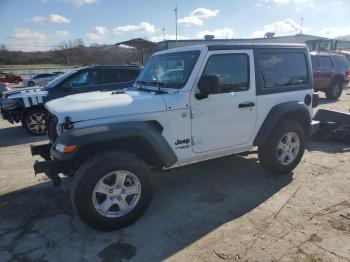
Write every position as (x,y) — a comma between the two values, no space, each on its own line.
(135,145)
(27,110)
(302,119)
(338,78)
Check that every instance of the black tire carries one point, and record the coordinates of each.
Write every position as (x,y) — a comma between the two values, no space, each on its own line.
(34,121)
(268,153)
(335,91)
(91,172)
(31,83)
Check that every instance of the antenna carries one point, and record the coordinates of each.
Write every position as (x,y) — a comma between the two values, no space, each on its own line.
(175,10)
(301,25)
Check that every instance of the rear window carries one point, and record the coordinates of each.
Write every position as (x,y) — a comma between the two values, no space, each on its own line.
(314,61)
(283,69)
(325,61)
(341,62)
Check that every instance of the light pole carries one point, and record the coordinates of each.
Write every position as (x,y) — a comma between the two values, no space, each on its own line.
(175,10)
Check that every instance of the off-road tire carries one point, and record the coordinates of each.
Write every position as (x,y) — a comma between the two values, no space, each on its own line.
(267,153)
(26,121)
(94,169)
(335,91)
(31,83)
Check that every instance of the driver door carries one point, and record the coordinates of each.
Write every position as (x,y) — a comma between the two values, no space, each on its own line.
(226,118)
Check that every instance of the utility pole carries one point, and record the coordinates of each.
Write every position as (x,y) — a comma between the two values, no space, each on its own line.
(301,25)
(163,29)
(175,10)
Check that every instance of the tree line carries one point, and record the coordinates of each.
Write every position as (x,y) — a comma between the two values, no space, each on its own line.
(72,53)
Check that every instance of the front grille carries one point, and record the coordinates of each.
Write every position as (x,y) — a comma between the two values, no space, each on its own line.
(51,127)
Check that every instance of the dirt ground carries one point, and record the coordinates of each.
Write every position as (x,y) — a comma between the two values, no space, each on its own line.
(228,209)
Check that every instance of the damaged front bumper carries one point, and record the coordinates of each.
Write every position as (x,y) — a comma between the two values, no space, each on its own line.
(50,167)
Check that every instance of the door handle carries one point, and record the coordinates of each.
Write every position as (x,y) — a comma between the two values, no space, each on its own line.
(246,104)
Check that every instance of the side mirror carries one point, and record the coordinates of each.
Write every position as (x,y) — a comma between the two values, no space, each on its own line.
(208,84)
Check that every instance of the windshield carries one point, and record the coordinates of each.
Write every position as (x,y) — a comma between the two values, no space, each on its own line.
(59,79)
(170,70)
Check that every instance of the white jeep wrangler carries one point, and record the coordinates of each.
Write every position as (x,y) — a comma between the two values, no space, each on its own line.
(188,105)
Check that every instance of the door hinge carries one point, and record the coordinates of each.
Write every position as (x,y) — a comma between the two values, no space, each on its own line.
(195,114)
(196,140)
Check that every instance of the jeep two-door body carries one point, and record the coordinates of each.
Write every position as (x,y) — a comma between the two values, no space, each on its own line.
(187,105)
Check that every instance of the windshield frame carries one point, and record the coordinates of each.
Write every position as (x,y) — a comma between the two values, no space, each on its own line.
(157,83)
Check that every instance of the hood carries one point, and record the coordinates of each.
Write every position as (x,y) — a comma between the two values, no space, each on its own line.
(99,104)
(19,90)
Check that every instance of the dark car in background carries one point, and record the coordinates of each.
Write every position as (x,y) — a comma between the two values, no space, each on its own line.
(331,73)
(26,105)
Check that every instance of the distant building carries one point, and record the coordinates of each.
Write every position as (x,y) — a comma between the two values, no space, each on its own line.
(315,43)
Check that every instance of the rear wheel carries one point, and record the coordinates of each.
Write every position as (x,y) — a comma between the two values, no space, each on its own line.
(34,121)
(334,92)
(31,83)
(284,149)
(111,191)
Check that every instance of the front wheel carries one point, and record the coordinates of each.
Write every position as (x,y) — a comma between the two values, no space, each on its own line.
(284,149)
(111,190)
(34,121)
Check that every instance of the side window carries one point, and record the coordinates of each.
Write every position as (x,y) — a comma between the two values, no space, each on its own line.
(111,76)
(282,69)
(86,78)
(314,61)
(127,75)
(341,62)
(232,70)
(325,61)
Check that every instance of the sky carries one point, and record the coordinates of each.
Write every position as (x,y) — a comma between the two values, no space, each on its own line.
(44,24)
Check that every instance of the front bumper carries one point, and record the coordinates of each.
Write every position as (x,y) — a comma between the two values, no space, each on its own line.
(50,167)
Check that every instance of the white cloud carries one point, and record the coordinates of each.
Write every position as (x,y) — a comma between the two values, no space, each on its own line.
(204,13)
(53,18)
(142,27)
(166,37)
(99,35)
(197,16)
(81,2)
(28,34)
(283,27)
(333,32)
(222,33)
(62,34)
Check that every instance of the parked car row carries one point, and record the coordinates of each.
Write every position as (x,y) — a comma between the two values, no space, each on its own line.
(40,79)
(26,105)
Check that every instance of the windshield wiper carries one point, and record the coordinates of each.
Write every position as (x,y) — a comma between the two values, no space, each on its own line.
(151,83)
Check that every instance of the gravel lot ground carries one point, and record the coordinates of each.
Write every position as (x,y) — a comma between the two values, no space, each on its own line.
(226,209)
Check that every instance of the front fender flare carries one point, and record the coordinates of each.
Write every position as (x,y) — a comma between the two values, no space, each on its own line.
(111,136)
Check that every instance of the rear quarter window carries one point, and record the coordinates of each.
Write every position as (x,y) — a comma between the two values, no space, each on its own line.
(282,70)
(341,62)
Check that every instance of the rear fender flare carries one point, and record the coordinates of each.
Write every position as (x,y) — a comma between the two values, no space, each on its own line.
(297,111)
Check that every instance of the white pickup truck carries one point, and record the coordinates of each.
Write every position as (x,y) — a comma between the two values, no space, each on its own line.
(187,105)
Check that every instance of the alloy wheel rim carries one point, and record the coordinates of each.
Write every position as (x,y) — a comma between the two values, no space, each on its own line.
(36,123)
(288,148)
(116,194)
